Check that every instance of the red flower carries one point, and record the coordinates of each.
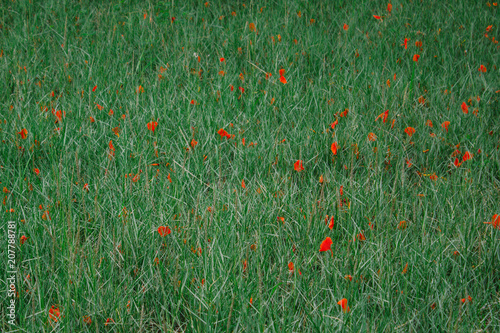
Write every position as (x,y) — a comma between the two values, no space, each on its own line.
(54,313)
(377,17)
(152,126)
(223,133)
(334,148)
(282,72)
(283,80)
(383,115)
(335,123)
(93,89)
(222,59)
(482,69)
(361,237)
(389,7)
(346,27)
(298,166)
(23,239)
(406,43)
(23,133)
(164,230)
(326,245)
(410,131)
(465,108)
(37,171)
(415,57)
(495,221)
(445,125)
(343,304)
(467,156)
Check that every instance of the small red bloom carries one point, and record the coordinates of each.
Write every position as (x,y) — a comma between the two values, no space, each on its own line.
(415,57)
(298,166)
(326,245)
(223,133)
(343,304)
(23,239)
(164,230)
(334,148)
(93,89)
(465,108)
(410,131)
(377,17)
(482,69)
(152,126)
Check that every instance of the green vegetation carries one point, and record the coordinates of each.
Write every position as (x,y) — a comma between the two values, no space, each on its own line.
(89,183)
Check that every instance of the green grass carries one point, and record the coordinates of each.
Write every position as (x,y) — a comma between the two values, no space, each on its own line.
(86,258)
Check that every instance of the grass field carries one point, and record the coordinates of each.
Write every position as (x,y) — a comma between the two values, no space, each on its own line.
(182,166)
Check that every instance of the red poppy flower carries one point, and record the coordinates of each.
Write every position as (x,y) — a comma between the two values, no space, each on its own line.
(87,320)
(334,148)
(383,115)
(341,191)
(495,221)
(467,156)
(377,17)
(290,266)
(433,177)
(372,136)
(223,133)
(192,102)
(389,7)
(54,313)
(282,72)
(283,80)
(243,184)
(193,143)
(231,87)
(222,59)
(332,221)
(465,108)
(415,57)
(173,19)
(343,304)
(23,133)
(346,27)
(456,163)
(241,89)
(298,166)
(326,245)
(410,131)
(93,89)
(23,239)
(152,126)
(37,171)
(428,123)
(406,43)
(335,123)
(361,237)
(482,69)
(445,125)
(164,230)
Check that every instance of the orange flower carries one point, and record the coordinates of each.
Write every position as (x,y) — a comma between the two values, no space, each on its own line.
(326,245)
(283,79)
(361,237)
(348,277)
(495,221)
(377,17)
(334,148)
(346,27)
(415,57)
(410,131)
(193,143)
(222,59)
(372,136)
(23,133)
(389,7)
(488,28)
(482,69)
(343,304)
(282,72)
(456,163)
(223,133)
(87,320)
(428,123)
(290,267)
(445,125)
(408,163)
(251,26)
(164,230)
(152,126)
(23,239)
(465,108)
(243,184)
(297,166)
(108,321)
(405,269)
(37,171)
(433,177)
(418,43)
(92,120)
(383,115)
(86,187)
(54,313)
(402,225)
